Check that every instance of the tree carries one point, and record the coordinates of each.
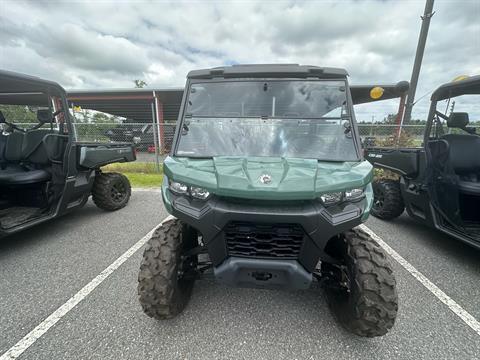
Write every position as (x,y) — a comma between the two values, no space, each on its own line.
(18,114)
(390,119)
(139,84)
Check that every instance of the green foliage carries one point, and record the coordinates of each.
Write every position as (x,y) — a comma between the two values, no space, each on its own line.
(139,84)
(92,125)
(18,114)
(140,174)
(134,167)
(384,174)
(407,139)
(145,180)
(390,119)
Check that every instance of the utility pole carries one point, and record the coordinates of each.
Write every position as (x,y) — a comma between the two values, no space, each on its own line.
(422,39)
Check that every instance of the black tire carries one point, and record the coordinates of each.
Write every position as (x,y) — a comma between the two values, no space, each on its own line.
(387,199)
(111,191)
(370,306)
(163,292)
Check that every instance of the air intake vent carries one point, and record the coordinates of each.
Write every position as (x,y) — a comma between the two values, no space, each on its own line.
(280,241)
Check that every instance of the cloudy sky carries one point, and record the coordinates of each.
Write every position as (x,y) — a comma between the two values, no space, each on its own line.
(106,44)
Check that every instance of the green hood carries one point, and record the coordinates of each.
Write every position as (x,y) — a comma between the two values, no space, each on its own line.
(291,179)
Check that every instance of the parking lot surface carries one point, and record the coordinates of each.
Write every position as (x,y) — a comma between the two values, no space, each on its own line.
(45,266)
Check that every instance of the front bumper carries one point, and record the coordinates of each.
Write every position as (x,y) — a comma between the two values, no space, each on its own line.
(261,273)
(319,224)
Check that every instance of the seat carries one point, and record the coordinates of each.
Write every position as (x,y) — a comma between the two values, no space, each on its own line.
(464,150)
(3,144)
(23,152)
(34,149)
(18,175)
(13,147)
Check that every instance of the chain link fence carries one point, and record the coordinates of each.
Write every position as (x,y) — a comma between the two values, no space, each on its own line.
(391,135)
(152,140)
(145,135)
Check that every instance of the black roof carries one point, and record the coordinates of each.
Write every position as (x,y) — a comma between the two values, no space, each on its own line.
(268,70)
(361,93)
(32,89)
(469,85)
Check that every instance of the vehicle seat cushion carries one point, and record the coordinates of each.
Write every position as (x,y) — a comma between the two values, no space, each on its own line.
(464,150)
(13,147)
(3,145)
(33,149)
(18,175)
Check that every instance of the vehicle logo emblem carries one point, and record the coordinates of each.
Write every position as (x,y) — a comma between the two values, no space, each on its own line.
(265,179)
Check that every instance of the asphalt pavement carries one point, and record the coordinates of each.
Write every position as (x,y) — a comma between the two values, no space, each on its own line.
(42,268)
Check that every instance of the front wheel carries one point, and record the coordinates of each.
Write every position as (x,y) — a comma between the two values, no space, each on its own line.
(387,199)
(368,305)
(111,191)
(165,279)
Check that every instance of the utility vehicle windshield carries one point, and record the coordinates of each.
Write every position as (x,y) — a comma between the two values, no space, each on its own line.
(301,119)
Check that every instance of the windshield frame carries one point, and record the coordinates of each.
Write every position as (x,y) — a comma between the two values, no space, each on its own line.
(349,110)
(434,108)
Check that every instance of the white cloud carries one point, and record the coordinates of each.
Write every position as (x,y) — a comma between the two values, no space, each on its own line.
(104,44)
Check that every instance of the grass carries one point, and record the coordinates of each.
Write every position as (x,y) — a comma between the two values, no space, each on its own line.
(140,174)
(140,180)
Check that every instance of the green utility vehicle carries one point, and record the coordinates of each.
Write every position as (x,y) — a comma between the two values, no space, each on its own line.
(44,171)
(267,184)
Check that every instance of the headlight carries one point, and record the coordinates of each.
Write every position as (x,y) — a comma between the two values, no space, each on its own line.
(337,197)
(354,194)
(331,198)
(196,192)
(199,193)
(178,188)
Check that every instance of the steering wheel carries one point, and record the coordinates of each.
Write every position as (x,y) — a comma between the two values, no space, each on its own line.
(39,125)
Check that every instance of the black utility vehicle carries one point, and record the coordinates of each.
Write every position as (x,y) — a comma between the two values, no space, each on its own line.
(439,182)
(267,183)
(44,171)
(139,134)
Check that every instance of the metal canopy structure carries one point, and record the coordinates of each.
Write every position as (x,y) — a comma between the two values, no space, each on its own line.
(133,104)
(157,107)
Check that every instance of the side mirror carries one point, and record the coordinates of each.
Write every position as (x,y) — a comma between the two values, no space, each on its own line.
(44,116)
(458,120)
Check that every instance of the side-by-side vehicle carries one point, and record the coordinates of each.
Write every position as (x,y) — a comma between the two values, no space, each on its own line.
(440,181)
(44,171)
(267,184)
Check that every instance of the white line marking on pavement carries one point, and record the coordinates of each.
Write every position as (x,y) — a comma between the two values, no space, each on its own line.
(434,289)
(28,340)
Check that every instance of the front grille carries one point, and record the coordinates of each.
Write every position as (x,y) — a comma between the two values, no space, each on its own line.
(264,240)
